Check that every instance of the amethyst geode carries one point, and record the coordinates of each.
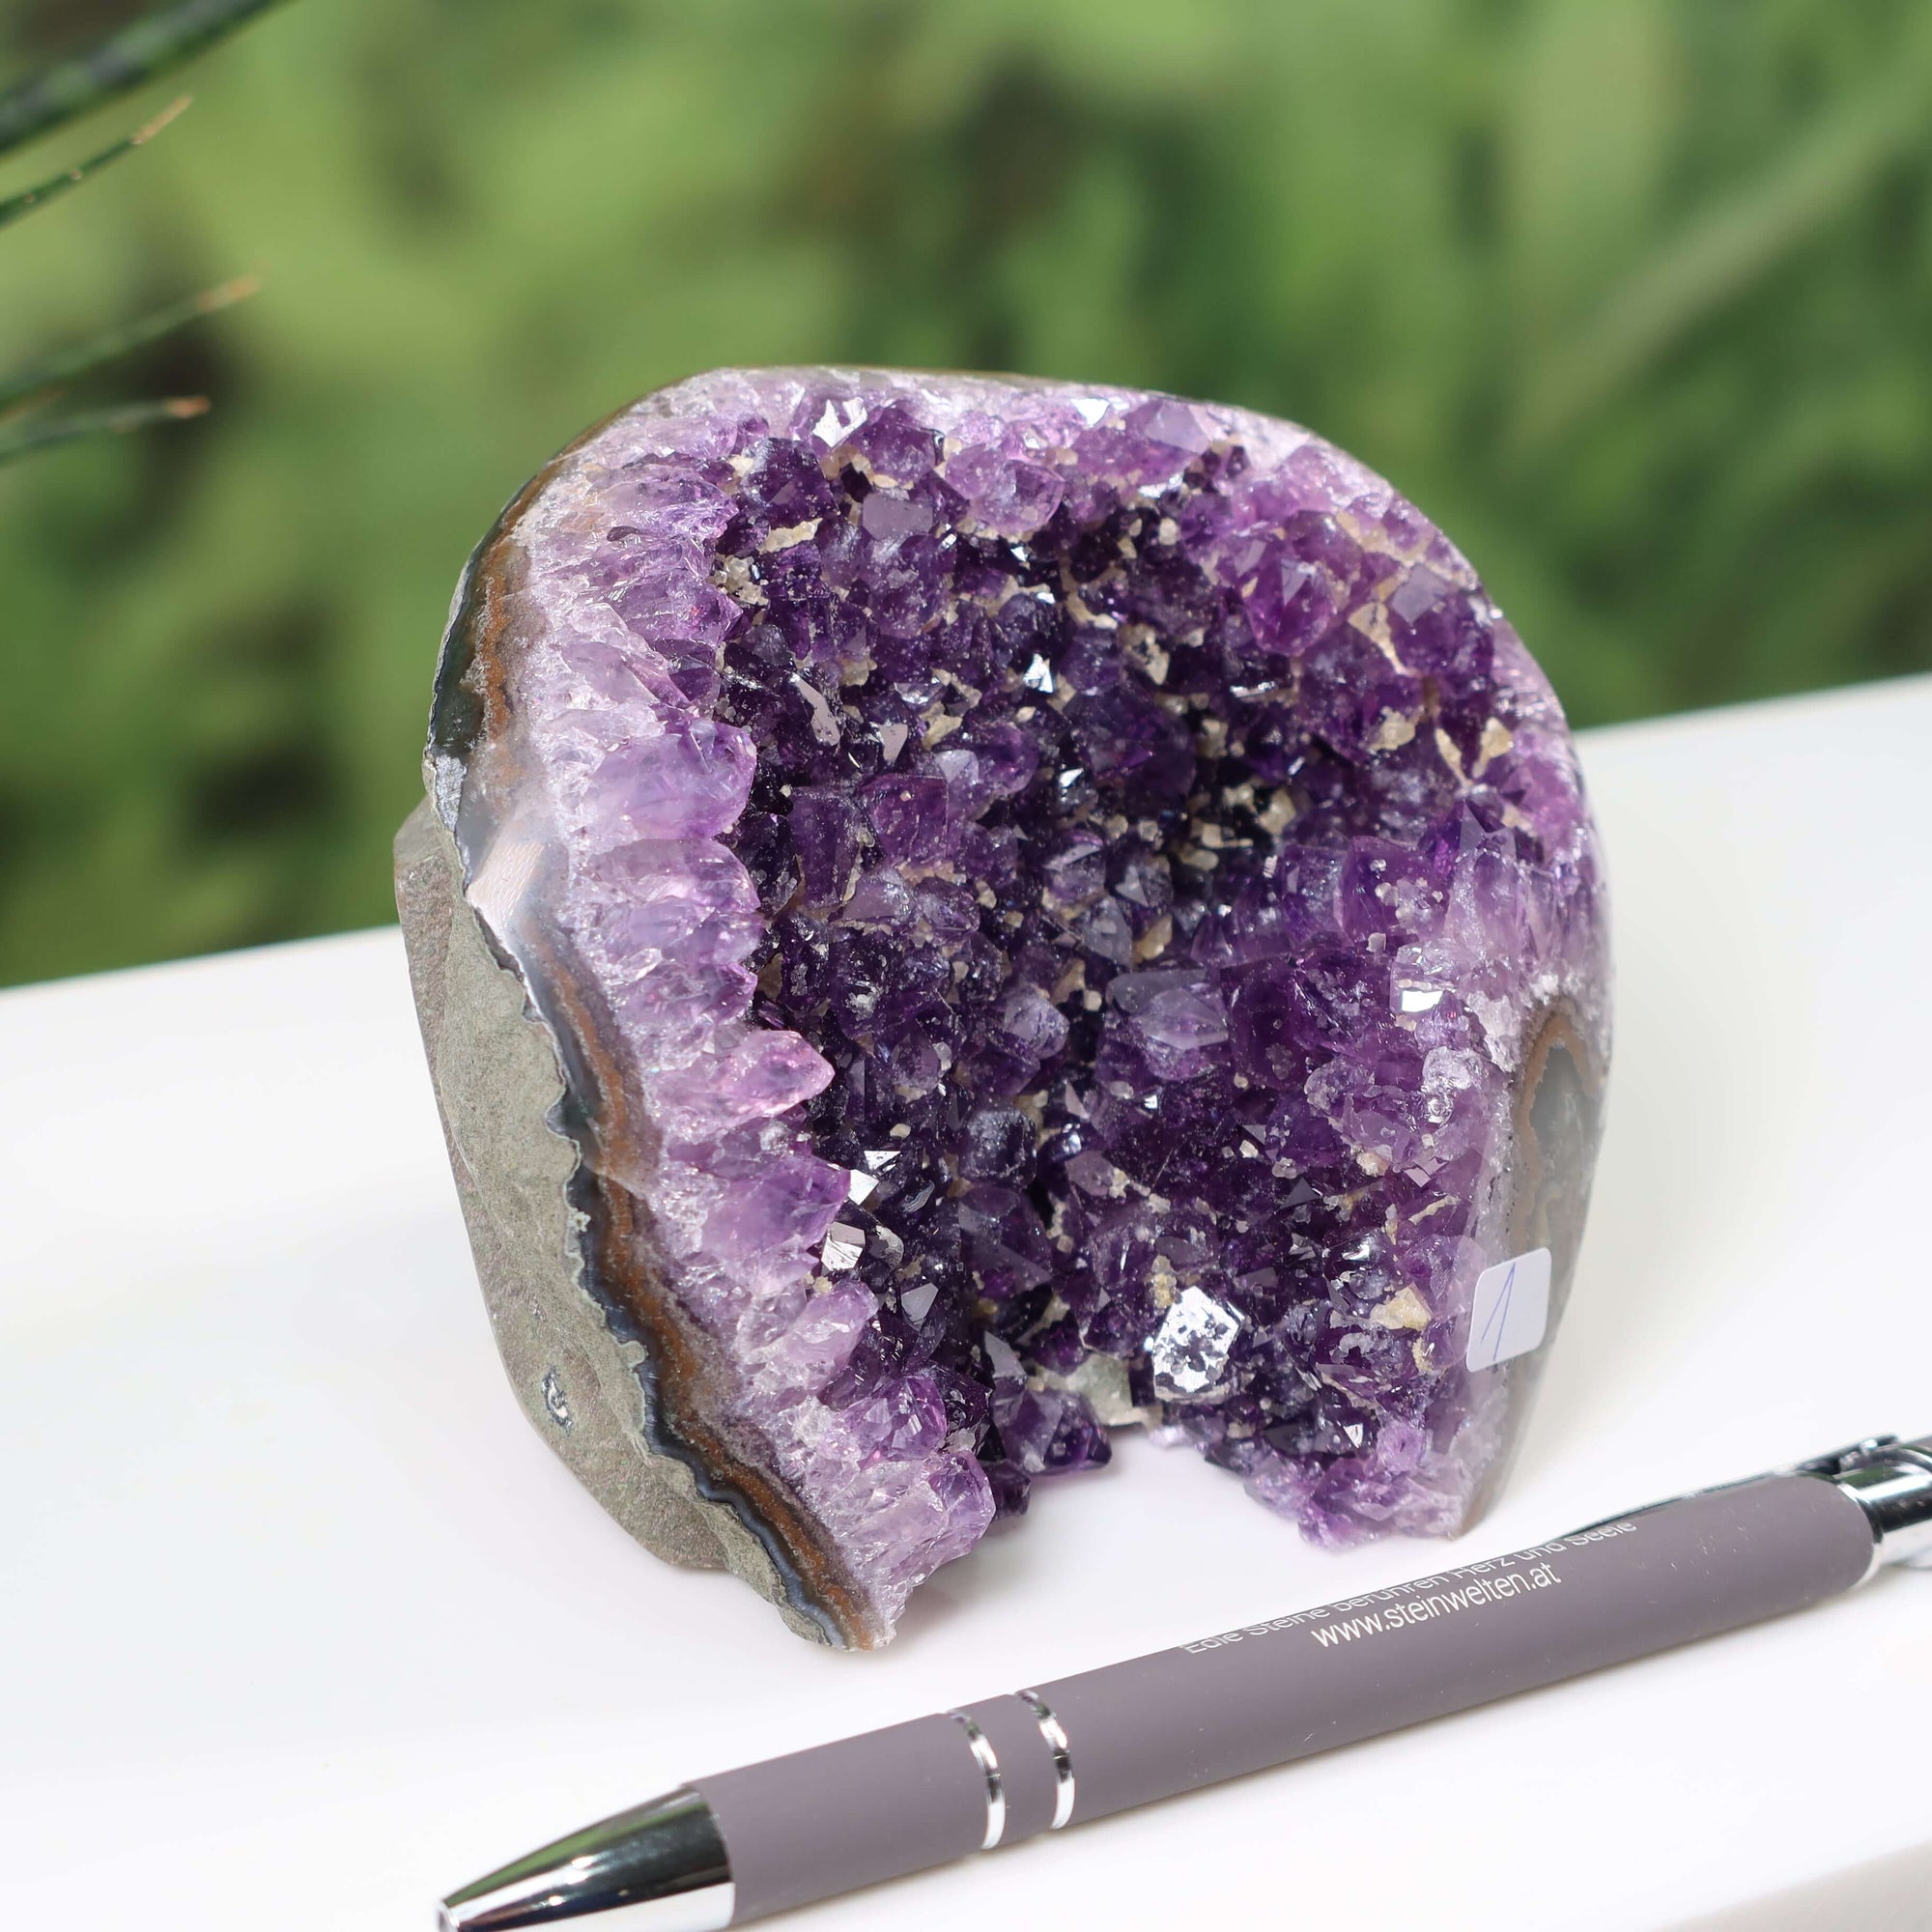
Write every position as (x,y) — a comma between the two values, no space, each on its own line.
(956,913)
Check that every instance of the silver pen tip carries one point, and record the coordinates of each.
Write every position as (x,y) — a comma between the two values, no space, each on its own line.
(661,1867)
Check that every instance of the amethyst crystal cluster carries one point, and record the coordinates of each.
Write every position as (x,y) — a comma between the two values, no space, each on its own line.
(1050,907)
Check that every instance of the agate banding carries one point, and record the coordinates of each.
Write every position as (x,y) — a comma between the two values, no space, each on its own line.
(958,914)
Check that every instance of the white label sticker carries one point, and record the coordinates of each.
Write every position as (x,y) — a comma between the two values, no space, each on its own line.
(1511,1309)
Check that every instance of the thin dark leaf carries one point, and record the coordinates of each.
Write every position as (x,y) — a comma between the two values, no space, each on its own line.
(15,206)
(114,343)
(126,60)
(44,431)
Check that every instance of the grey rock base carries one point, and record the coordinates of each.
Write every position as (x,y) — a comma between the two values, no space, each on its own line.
(497,1080)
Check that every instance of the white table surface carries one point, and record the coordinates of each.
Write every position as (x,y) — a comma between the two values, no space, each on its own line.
(301,1626)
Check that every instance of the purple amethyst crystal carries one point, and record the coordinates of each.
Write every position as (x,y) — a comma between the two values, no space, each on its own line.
(1047,907)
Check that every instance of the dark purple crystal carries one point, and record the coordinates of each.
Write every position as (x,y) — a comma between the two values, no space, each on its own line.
(1078,881)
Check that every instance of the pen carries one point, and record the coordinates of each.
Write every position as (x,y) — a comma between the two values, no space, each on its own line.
(740,1844)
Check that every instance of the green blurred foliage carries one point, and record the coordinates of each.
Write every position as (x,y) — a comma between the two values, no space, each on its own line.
(1636,299)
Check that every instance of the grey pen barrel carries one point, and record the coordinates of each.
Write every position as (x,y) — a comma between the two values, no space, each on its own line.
(746,1843)
(829,1820)
(1284,1689)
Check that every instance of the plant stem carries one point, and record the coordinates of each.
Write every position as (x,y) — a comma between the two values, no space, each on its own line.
(126,60)
(118,342)
(40,432)
(14,207)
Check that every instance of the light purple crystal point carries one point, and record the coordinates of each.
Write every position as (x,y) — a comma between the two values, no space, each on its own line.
(1028,881)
